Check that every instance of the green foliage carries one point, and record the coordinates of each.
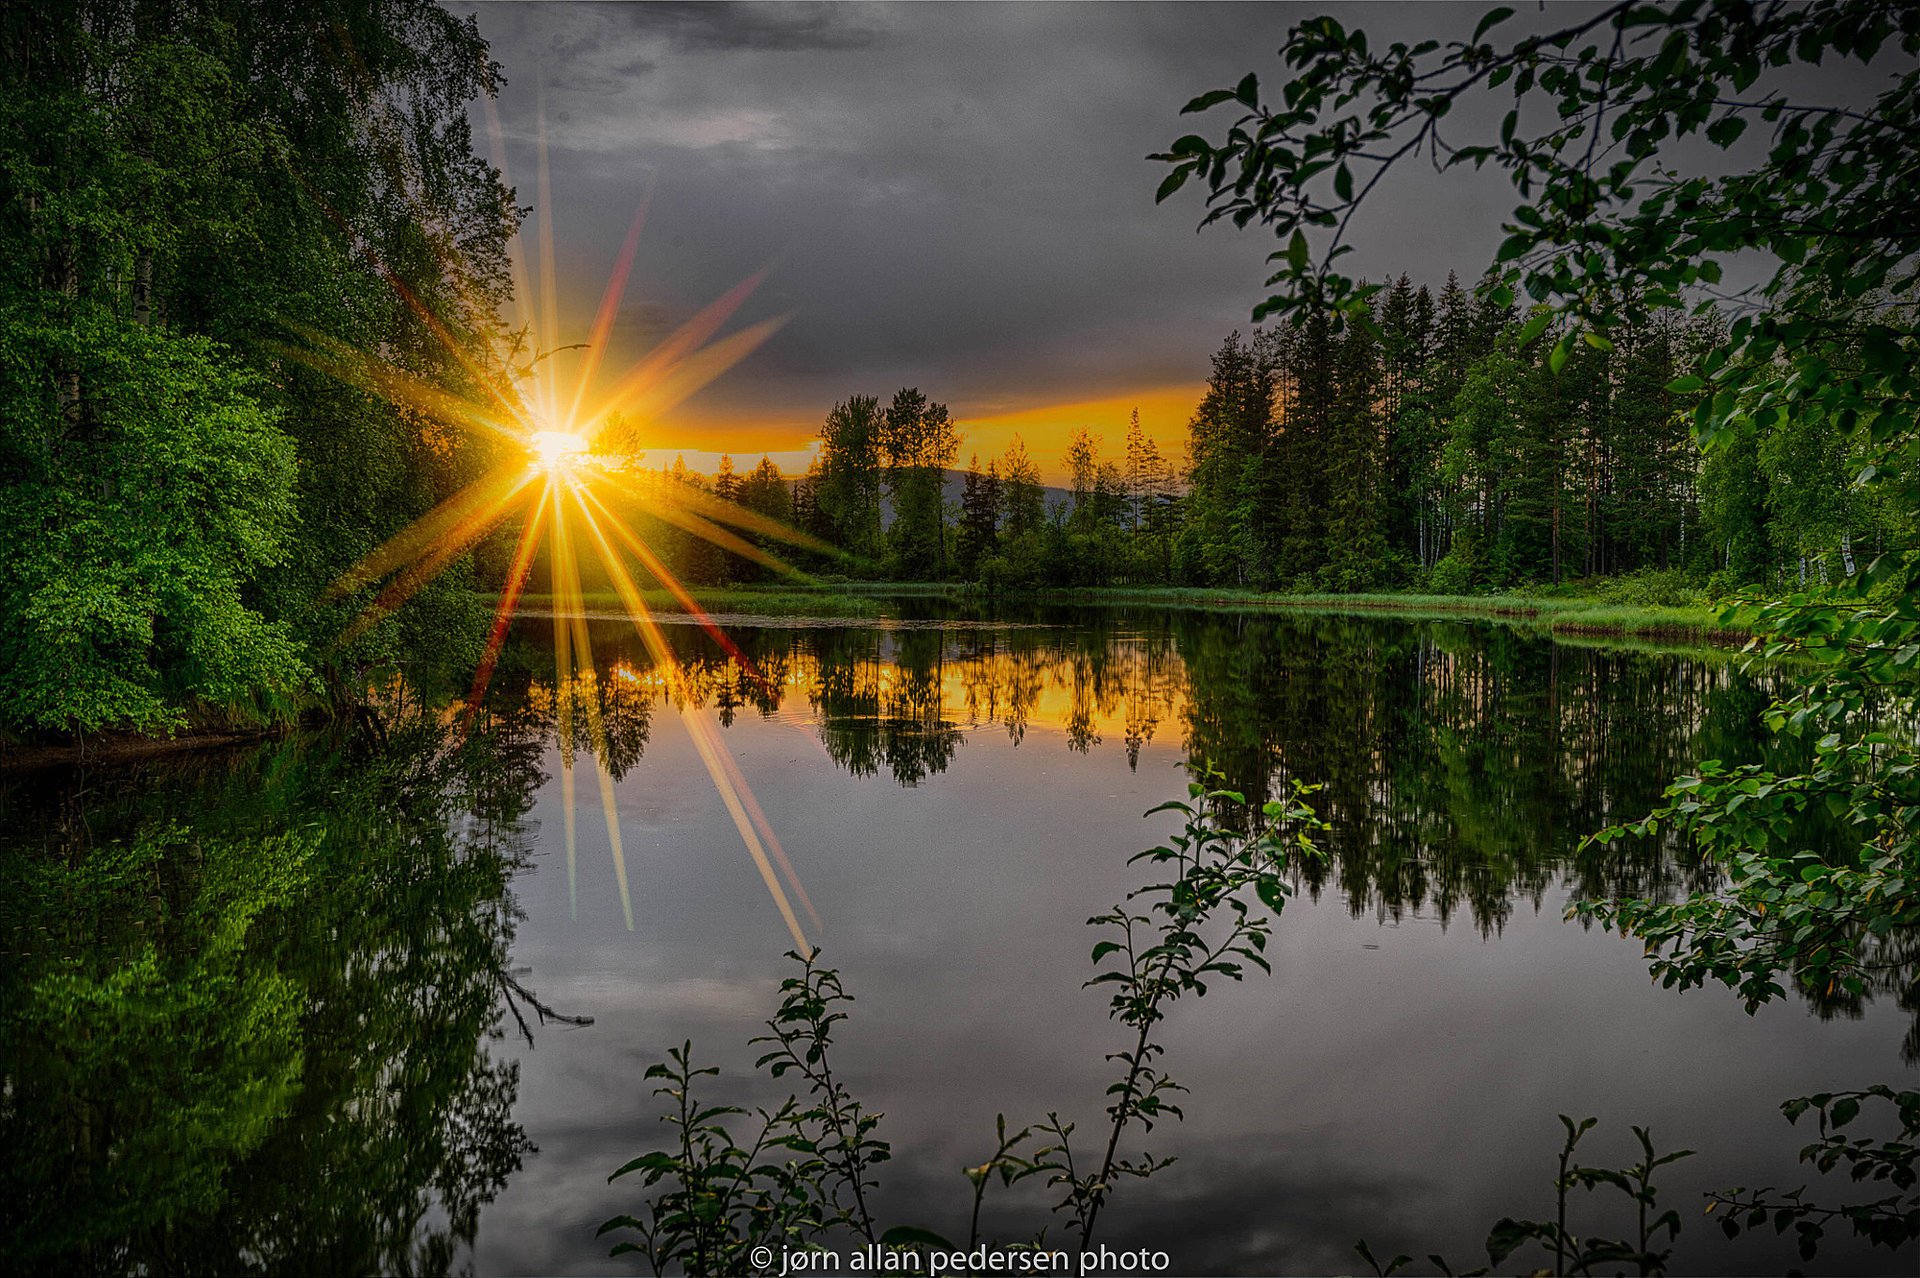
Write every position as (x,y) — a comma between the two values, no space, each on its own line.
(234,1025)
(1609,232)
(846,480)
(1805,400)
(1206,922)
(1816,375)
(188,185)
(1891,1221)
(1836,914)
(141,527)
(918,440)
(720,1199)
(802,1035)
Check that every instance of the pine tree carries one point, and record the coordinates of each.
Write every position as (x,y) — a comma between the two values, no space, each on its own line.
(1228,439)
(1412,468)
(1355,537)
(727,486)
(979,517)
(1297,479)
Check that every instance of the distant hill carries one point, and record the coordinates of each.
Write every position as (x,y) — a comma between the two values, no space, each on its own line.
(955,483)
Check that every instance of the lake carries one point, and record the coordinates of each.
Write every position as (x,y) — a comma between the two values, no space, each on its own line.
(284,1007)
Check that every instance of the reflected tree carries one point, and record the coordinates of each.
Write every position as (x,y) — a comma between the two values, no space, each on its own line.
(249,1006)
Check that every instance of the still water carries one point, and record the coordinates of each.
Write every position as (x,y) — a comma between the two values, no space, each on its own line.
(285,1008)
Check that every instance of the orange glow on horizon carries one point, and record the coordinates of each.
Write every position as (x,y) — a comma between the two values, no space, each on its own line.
(986,429)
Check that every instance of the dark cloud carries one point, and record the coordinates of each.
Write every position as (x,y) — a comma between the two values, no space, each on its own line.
(789,24)
(954,196)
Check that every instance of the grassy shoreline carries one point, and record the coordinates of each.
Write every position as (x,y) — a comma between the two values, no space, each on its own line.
(1568,615)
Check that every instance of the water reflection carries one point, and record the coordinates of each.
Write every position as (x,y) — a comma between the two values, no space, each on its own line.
(1462,764)
(255,1006)
(250,1003)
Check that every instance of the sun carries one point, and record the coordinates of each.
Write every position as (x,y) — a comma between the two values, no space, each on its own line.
(555,450)
(576,506)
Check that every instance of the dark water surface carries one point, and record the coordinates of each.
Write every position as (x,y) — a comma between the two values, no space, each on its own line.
(264,1009)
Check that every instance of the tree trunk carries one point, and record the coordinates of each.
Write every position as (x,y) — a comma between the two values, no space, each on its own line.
(143,288)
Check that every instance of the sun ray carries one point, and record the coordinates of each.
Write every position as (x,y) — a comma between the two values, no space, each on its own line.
(563,701)
(517,573)
(653,489)
(662,574)
(420,536)
(496,388)
(590,683)
(677,346)
(603,321)
(516,248)
(764,826)
(698,727)
(440,553)
(512,388)
(395,385)
(668,511)
(652,396)
(549,281)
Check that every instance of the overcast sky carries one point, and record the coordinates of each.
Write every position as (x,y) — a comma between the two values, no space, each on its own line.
(953,197)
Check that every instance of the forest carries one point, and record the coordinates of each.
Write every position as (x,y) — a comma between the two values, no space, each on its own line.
(190,194)
(1436,448)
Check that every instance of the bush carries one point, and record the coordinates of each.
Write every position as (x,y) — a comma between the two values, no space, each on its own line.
(1453,575)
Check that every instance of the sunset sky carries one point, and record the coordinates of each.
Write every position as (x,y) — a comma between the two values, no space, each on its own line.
(953,197)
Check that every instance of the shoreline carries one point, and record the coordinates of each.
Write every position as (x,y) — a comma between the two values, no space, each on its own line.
(122,748)
(1694,629)
(1572,617)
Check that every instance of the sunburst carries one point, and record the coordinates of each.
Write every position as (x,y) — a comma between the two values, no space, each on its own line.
(569,499)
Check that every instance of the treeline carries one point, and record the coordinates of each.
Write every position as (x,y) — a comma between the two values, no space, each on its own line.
(1002,530)
(876,495)
(1437,447)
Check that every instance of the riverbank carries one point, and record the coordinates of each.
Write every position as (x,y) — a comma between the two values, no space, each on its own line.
(1569,615)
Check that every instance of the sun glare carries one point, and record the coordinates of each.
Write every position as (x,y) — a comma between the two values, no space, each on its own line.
(580,514)
(554,450)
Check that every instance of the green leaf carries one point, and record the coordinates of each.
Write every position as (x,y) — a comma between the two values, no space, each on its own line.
(911,1236)
(1492,19)
(1212,98)
(1557,357)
